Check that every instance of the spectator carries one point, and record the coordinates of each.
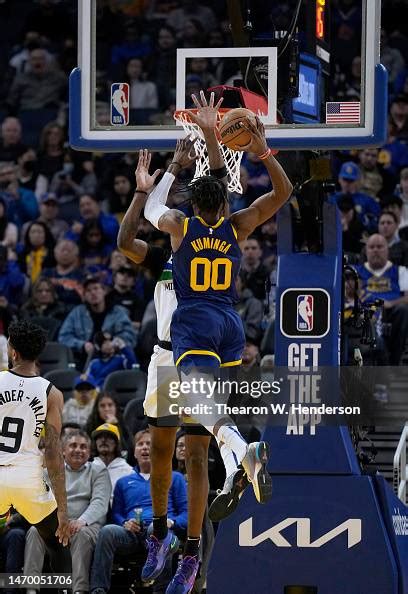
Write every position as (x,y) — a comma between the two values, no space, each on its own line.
(90,209)
(37,250)
(394,204)
(48,215)
(117,260)
(269,238)
(121,196)
(20,60)
(258,179)
(94,247)
(44,303)
(381,279)
(192,34)
(21,203)
(123,293)
(41,86)
(391,58)
(134,44)
(67,275)
(93,315)
(88,491)
(399,117)
(111,354)
(372,178)
(107,410)
(51,151)
(106,440)
(127,535)
(11,145)
(191,10)
(7,315)
(397,248)
(352,228)
(69,429)
(8,231)
(253,272)
(393,155)
(162,66)
(352,89)
(199,67)
(12,280)
(250,310)
(250,356)
(78,408)
(143,93)
(193,85)
(28,175)
(404,196)
(67,193)
(367,208)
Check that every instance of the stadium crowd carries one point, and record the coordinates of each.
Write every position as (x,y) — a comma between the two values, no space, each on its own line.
(60,212)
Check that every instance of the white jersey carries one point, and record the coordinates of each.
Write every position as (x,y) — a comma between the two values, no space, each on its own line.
(165,301)
(23,409)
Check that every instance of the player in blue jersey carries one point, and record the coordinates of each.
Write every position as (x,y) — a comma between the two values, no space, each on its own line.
(156,259)
(206,331)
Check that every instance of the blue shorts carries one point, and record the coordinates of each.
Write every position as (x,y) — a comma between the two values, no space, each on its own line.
(207,334)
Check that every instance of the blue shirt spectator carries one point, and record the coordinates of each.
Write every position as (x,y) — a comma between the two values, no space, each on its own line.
(92,316)
(368,210)
(12,280)
(111,355)
(133,491)
(21,203)
(89,209)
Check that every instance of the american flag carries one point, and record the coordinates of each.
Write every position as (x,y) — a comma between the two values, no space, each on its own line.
(343,112)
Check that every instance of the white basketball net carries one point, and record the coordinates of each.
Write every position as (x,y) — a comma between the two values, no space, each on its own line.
(232,159)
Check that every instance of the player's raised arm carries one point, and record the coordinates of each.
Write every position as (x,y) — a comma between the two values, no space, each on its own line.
(163,218)
(263,208)
(55,462)
(136,249)
(206,118)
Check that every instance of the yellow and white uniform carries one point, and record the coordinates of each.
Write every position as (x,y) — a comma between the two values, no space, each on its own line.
(23,409)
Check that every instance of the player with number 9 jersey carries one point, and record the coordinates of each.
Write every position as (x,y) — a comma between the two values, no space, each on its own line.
(29,403)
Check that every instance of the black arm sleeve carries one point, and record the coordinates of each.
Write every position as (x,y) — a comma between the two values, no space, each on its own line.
(155,260)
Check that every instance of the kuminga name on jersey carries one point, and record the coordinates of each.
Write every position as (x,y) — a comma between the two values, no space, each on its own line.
(207,262)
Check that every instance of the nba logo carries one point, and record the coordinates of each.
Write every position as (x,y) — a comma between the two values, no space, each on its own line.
(119,104)
(304,313)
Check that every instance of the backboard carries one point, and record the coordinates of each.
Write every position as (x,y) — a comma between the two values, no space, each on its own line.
(310,70)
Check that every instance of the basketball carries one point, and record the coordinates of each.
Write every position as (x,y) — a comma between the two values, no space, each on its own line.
(231,131)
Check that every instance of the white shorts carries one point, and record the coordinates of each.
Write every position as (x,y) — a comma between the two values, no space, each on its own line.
(24,488)
(161,358)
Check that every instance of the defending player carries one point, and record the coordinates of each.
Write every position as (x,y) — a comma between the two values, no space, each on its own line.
(28,403)
(206,331)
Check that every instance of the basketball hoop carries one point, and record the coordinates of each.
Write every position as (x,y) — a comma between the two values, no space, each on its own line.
(232,159)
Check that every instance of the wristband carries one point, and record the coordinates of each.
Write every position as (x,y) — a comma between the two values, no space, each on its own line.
(175,163)
(140,192)
(265,155)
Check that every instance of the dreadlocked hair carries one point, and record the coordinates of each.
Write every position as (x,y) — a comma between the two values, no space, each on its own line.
(208,193)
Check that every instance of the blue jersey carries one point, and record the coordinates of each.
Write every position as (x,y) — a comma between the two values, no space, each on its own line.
(385,286)
(207,263)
